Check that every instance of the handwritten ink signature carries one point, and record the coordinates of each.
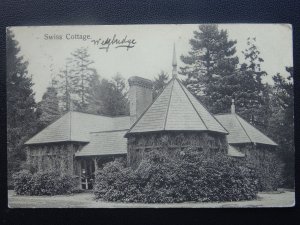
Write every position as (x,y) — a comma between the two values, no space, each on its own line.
(114,41)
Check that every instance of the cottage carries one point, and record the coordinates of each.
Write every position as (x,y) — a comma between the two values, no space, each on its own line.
(79,143)
(175,120)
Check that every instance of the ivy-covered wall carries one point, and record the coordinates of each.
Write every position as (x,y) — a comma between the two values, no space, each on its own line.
(59,156)
(267,163)
(137,144)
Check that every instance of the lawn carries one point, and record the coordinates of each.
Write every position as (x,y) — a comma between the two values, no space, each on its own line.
(281,198)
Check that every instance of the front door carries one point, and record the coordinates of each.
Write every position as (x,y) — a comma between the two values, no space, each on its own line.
(87,174)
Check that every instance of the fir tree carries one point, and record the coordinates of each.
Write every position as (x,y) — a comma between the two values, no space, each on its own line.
(210,67)
(20,104)
(95,99)
(65,88)
(48,108)
(252,97)
(159,83)
(120,96)
(81,76)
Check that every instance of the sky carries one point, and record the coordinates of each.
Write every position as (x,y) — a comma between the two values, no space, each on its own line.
(151,52)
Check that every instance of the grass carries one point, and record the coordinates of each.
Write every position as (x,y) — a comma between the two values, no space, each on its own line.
(282,198)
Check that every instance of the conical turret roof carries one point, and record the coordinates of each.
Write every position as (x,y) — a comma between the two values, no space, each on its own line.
(176,109)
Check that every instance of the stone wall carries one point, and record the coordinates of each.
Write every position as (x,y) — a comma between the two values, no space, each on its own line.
(58,156)
(173,142)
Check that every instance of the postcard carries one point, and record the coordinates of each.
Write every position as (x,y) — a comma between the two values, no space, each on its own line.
(150,116)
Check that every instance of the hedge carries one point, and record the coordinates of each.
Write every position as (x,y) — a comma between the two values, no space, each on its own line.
(269,168)
(44,183)
(189,176)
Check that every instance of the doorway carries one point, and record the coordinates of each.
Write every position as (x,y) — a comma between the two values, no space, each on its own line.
(87,174)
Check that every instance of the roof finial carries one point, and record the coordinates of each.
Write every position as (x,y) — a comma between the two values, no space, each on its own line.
(174,63)
(232,106)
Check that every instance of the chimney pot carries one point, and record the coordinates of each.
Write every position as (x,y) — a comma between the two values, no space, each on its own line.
(232,106)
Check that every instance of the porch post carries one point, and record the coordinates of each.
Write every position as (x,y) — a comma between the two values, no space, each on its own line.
(96,164)
(78,163)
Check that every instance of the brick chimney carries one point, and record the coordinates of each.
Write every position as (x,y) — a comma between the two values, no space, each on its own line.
(140,96)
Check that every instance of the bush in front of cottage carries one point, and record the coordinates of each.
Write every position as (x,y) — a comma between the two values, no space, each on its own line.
(186,176)
(43,183)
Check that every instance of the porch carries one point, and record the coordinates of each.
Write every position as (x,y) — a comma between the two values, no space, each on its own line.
(86,166)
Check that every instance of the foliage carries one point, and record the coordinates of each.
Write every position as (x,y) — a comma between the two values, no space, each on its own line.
(20,105)
(268,167)
(81,77)
(187,176)
(109,97)
(81,88)
(159,83)
(251,97)
(22,182)
(48,108)
(211,67)
(282,123)
(215,76)
(76,80)
(43,183)
(65,87)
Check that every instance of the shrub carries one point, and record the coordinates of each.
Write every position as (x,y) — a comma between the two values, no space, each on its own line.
(192,176)
(43,183)
(269,169)
(22,182)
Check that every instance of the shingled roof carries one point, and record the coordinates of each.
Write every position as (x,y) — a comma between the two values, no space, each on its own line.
(76,126)
(105,143)
(176,109)
(240,131)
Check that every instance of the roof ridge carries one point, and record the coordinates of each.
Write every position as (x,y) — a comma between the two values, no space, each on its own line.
(203,107)
(92,114)
(220,114)
(192,104)
(256,128)
(107,131)
(237,117)
(166,117)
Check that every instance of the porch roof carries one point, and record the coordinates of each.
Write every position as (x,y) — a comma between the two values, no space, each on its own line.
(232,151)
(105,143)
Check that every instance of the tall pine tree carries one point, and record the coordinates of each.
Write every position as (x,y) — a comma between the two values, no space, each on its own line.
(65,88)
(210,67)
(252,97)
(20,104)
(48,108)
(81,76)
